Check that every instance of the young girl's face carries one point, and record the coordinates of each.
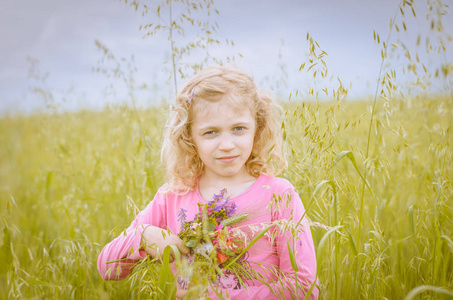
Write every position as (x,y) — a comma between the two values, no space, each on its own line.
(223,134)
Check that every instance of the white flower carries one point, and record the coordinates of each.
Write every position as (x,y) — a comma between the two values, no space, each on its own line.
(203,248)
(194,225)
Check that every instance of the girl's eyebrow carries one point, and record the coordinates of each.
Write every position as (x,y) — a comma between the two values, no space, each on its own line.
(212,125)
(209,126)
(241,123)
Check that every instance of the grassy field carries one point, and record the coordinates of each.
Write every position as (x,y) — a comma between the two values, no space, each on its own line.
(70,182)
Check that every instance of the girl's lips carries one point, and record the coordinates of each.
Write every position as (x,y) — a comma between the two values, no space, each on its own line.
(227,159)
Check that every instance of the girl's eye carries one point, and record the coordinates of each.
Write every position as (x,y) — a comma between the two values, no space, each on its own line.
(209,132)
(239,129)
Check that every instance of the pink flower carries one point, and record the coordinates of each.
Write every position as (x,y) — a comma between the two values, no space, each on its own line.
(221,257)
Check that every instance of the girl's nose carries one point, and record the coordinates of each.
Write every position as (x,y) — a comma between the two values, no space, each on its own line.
(226,143)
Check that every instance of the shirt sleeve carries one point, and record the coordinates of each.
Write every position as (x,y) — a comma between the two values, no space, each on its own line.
(291,209)
(118,258)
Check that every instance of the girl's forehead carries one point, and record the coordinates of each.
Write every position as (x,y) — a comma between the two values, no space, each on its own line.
(205,109)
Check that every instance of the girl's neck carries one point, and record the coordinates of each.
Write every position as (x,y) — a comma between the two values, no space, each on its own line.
(208,186)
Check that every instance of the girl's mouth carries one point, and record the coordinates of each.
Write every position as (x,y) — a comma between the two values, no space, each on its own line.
(227,159)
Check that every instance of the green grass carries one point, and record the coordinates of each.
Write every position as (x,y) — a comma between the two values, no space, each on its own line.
(69,183)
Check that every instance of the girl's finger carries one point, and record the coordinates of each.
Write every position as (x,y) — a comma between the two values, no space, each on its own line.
(180,294)
(184,249)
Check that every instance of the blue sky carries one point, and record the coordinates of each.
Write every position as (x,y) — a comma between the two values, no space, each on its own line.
(61,36)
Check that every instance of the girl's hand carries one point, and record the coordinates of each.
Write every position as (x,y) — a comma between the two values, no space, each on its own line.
(180,294)
(154,242)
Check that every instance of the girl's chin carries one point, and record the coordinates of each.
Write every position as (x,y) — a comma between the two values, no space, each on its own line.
(230,174)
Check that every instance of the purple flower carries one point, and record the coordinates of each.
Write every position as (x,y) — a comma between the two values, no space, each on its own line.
(217,198)
(221,204)
(231,208)
(182,216)
(220,196)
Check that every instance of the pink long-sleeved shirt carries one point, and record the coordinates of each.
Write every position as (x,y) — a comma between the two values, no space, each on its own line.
(271,250)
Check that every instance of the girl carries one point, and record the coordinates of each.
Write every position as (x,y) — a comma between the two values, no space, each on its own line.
(223,134)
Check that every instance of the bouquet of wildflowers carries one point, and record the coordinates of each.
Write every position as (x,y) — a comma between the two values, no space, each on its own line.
(216,247)
(218,257)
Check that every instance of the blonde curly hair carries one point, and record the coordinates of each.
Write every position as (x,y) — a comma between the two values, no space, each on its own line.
(220,83)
